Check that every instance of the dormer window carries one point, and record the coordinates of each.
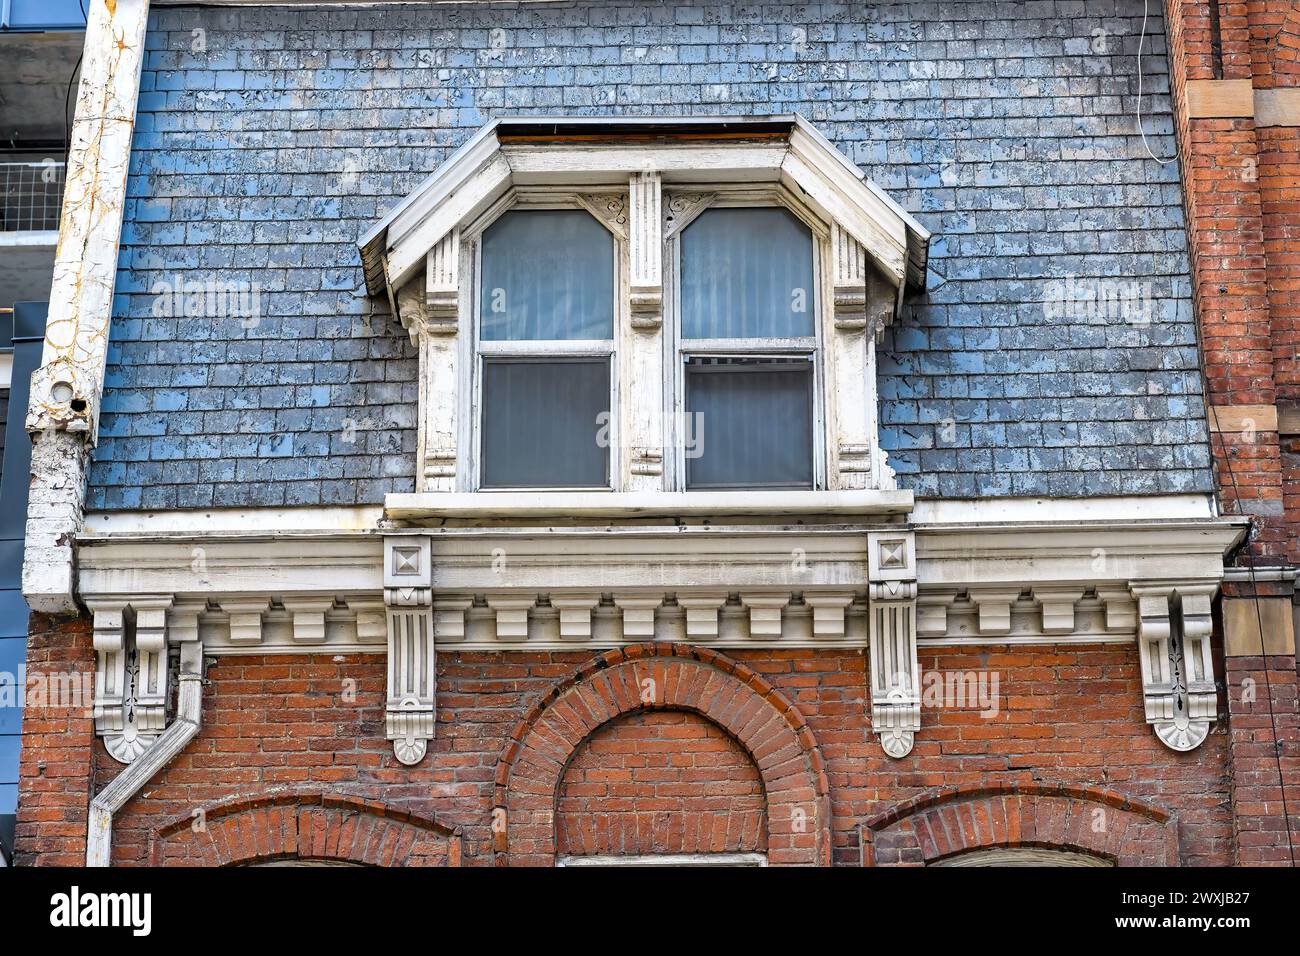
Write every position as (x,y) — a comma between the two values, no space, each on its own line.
(678,308)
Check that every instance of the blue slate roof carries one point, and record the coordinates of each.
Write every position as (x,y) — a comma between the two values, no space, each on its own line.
(269,140)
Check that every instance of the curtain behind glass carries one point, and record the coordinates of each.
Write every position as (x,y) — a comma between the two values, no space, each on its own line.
(751,419)
(547,274)
(543,423)
(747,273)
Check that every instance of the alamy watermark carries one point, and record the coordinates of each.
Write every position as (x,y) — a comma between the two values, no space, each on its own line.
(962,690)
(181,298)
(58,689)
(1100,300)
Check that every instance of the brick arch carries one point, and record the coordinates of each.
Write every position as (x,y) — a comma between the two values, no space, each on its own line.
(1092,820)
(685,678)
(305,826)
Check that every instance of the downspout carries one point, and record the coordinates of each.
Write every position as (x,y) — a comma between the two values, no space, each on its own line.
(183,729)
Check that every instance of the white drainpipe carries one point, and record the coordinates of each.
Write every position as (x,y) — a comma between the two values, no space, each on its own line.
(189,713)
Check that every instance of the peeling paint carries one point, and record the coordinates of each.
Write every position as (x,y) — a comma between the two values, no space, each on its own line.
(66,389)
(65,397)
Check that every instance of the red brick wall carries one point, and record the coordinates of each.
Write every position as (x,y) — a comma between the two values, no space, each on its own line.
(274,726)
(55,775)
(1231,179)
(1241,187)
(1262,694)
(661,782)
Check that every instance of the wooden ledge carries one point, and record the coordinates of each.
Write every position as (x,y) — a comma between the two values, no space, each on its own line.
(493,505)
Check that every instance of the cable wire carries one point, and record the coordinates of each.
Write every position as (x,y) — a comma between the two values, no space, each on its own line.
(1142,42)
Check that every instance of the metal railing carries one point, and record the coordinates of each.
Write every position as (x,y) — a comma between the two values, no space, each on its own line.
(31,195)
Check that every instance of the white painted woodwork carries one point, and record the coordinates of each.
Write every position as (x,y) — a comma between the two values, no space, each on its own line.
(470,199)
(895,672)
(702,614)
(645,250)
(994,606)
(442,285)
(131,676)
(246,620)
(1058,608)
(309,618)
(764,613)
(575,615)
(1177,666)
(511,612)
(409,709)
(829,610)
(435,226)
(598,504)
(86,258)
(638,615)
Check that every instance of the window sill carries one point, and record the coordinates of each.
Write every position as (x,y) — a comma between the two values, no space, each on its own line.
(488,505)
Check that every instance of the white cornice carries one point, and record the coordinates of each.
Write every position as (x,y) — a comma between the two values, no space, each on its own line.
(977,584)
(507,153)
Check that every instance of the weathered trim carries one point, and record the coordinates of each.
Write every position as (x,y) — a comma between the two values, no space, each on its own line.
(66,390)
(579,504)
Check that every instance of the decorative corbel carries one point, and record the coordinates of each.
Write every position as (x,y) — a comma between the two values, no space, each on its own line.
(1057,605)
(1178,690)
(441,286)
(645,247)
(412,676)
(850,289)
(131,678)
(431,311)
(895,671)
(862,301)
(702,614)
(764,613)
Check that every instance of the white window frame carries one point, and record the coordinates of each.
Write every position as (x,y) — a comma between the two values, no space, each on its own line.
(677,348)
(474,349)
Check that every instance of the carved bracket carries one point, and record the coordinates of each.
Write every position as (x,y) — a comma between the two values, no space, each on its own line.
(680,210)
(1178,690)
(441,286)
(645,247)
(132,684)
(895,672)
(412,677)
(864,300)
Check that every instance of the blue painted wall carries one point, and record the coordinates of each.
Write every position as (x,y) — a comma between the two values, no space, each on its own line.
(268,140)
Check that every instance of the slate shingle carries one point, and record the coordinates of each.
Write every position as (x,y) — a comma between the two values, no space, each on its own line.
(261,153)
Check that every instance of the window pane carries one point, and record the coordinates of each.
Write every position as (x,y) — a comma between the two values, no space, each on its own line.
(751,423)
(547,274)
(545,423)
(747,273)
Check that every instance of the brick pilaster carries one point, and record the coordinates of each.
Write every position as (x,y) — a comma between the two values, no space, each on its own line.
(55,773)
(1210,60)
(1262,697)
